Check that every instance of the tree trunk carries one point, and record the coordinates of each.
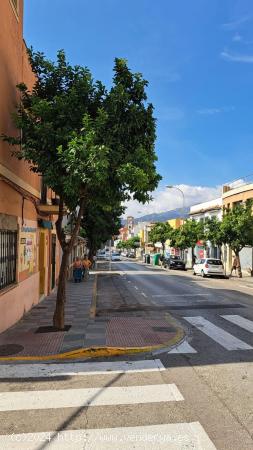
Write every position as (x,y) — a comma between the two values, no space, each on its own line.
(239,268)
(59,313)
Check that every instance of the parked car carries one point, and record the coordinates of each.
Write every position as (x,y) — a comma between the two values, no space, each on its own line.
(208,267)
(101,255)
(174,262)
(116,256)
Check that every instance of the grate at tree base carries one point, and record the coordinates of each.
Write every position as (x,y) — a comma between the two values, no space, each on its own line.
(52,329)
(164,329)
(10,349)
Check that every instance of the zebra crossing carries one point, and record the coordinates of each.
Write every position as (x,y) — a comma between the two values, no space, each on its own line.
(222,337)
(34,400)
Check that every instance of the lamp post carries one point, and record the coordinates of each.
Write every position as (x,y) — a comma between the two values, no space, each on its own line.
(180,190)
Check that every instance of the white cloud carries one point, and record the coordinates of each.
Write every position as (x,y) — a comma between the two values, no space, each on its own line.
(165,199)
(236,23)
(212,111)
(236,57)
(237,37)
(170,113)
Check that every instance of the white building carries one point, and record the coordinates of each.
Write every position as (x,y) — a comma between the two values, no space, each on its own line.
(202,212)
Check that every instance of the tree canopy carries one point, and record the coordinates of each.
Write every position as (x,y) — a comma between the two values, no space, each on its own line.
(86,140)
(160,232)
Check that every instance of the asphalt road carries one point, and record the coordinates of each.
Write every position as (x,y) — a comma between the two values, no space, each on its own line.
(198,397)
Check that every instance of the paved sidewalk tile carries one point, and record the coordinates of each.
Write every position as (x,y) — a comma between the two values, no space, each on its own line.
(30,343)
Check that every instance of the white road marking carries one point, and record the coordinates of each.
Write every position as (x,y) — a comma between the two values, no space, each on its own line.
(180,295)
(183,348)
(246,287)
(144,295)
(240,321)
(72,398)
(135,287)
(225,339)
(174,436)
(73,369)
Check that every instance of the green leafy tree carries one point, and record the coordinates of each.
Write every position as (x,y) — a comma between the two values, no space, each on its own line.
(213,232)
(160,232)
(187,236)
(85,140)
(237,228)
(99,224)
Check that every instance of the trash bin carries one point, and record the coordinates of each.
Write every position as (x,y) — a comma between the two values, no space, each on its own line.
(156,259)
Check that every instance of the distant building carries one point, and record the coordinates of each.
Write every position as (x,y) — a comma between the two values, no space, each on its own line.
(201,212)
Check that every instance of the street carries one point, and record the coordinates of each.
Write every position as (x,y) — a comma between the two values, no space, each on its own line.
(198,395)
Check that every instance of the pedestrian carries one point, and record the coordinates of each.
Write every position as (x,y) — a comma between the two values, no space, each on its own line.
(77,270)
(86,266)
(234,265)
(94,262)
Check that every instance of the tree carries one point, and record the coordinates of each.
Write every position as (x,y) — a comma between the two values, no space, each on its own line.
(99,224)
(188,235)
(237,227)
(160,232)
(85,140)
(213,232)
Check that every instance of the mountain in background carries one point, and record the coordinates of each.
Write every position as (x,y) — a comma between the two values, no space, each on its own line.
(161,217)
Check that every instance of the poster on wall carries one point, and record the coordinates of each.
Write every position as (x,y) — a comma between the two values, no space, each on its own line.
(27,250)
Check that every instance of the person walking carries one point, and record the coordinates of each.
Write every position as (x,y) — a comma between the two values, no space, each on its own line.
(234,266)
(77,270)
(86,266)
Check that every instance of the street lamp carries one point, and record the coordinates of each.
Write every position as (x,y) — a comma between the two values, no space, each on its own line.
(180,190)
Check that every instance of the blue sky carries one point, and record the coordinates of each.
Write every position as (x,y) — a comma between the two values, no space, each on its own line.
(198,58)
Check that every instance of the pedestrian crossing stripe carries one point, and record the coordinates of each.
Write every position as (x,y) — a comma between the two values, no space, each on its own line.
(78,369)
(184,348)
(161,437)
(70,398)
(246,324)
(222,337)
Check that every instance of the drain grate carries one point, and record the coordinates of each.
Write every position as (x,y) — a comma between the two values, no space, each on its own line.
(10,349)
(51,329)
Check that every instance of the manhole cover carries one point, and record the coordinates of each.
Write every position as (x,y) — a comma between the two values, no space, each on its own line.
(51,329)
(10,349)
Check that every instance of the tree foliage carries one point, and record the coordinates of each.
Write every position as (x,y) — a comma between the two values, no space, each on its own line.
(86,140)
(160,232)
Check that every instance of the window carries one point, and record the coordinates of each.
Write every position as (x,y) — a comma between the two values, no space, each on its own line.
(8,257)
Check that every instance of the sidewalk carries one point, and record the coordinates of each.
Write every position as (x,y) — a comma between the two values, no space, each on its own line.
(31,336)
(123,324)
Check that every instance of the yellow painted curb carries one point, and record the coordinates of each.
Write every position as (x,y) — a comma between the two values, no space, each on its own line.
(94,298)
(96,352)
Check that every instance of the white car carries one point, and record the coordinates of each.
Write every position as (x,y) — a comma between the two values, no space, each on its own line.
(208,267)
(114,256)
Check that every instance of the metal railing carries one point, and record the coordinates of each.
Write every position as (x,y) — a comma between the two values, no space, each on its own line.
(8,257)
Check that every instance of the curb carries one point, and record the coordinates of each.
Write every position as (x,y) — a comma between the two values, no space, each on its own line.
(97,352)
(93,306)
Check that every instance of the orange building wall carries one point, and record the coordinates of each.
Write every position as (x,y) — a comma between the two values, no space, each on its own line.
(14,69)
(17,299)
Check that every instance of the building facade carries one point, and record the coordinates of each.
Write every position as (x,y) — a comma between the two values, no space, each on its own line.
(29,249)
(232,196)
(202,212)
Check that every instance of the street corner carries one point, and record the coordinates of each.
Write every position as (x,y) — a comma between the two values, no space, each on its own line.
(123,336)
